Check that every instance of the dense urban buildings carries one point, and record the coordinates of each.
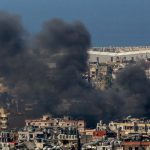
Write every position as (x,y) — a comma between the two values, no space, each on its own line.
(43,134)
(51,132)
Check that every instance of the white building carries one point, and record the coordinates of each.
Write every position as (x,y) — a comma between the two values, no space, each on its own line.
(115,54)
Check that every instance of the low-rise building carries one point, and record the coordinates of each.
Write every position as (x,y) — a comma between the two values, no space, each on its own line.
(49,121)
(118,54)
(67,122)
(45,121)
(136,142)
(131,126)
(136,145)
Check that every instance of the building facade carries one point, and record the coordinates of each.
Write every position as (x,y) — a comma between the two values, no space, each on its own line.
(118,54)
(49,121)
(131,126)
(3,119)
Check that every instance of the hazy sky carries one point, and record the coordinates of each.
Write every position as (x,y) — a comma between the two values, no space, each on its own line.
(110,22)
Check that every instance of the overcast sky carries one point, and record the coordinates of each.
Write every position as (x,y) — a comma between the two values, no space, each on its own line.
(110,22)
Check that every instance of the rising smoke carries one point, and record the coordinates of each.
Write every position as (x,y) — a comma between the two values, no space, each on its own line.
(22,72)
(65,45)
(50,74)
(131,92)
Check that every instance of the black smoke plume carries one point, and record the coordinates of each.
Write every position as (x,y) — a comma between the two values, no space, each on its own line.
(65,45)
(48,75)
(129,94)
(25,76)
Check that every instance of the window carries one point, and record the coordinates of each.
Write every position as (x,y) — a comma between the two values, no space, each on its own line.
(130,148)
(136,148)
(97,58)
(124,59)
(28,124)
(111,59)
(117,59)
(132,58)
(31,135)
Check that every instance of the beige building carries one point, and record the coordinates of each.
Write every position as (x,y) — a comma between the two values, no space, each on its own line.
(136,145)
(131,126)
(45,121)
(3,119)
(100,75)
(66,122)
(49,121)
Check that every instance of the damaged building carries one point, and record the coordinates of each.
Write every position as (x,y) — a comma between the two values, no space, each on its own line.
(106,62)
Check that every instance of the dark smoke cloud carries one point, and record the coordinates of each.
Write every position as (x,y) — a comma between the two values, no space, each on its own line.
(130,93)
(11,35)
(22,72)
(28,75)
(50,76)
(66,44)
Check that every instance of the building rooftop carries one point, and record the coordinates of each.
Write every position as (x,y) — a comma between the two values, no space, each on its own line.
(132,120)
(120,49)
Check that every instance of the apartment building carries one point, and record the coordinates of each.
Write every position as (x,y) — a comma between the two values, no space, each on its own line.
(49,121)
(131,126)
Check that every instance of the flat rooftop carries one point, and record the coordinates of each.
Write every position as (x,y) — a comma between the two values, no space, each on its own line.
(120,49)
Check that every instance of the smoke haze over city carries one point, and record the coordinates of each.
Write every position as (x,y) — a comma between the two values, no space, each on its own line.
(56,85)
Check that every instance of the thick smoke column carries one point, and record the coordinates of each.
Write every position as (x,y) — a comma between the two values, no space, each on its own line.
(50,74)
(11,35)
(28,75)
(24,74)
(66,45)
(12,46)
